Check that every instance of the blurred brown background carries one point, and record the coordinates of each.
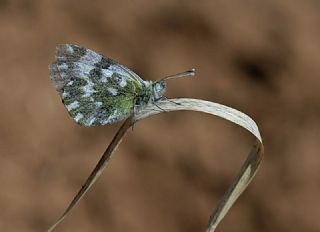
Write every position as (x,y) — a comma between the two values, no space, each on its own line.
(261,57)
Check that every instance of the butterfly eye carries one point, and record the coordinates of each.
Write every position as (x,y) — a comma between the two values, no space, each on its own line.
(160,86)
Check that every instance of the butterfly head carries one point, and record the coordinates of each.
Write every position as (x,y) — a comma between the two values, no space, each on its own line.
(158,89)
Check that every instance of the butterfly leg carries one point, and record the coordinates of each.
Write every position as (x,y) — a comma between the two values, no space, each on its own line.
(162,110)
(167,98)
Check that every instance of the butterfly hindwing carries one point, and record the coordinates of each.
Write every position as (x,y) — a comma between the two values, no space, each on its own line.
(95,90)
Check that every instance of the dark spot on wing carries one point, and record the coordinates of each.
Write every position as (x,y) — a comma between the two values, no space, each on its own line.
(95,74)
(75,89)
(105,63)
(78,51)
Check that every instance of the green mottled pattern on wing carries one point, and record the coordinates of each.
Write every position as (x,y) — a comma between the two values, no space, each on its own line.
(95,90)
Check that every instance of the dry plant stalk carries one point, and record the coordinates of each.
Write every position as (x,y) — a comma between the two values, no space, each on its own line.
(244,177)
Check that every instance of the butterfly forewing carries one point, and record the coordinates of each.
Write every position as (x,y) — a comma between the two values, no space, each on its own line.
(95,90)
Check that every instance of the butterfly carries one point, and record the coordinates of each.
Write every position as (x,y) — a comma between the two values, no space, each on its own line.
(97,90)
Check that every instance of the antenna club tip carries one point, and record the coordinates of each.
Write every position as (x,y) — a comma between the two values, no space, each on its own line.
(192,72)
(187,73)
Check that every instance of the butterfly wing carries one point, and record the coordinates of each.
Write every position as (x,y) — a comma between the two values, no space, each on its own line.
(95,90)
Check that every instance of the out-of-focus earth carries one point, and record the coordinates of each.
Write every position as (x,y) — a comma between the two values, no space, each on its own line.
(260,57)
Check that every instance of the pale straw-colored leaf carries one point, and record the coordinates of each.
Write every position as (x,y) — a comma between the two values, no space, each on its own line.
(239,184)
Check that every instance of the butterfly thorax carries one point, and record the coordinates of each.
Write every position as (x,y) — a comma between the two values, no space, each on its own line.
(151,93)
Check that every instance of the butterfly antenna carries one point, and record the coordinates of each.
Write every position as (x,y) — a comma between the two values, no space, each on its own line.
(187,73)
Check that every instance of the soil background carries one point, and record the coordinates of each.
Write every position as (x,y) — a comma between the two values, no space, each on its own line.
(261,57)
